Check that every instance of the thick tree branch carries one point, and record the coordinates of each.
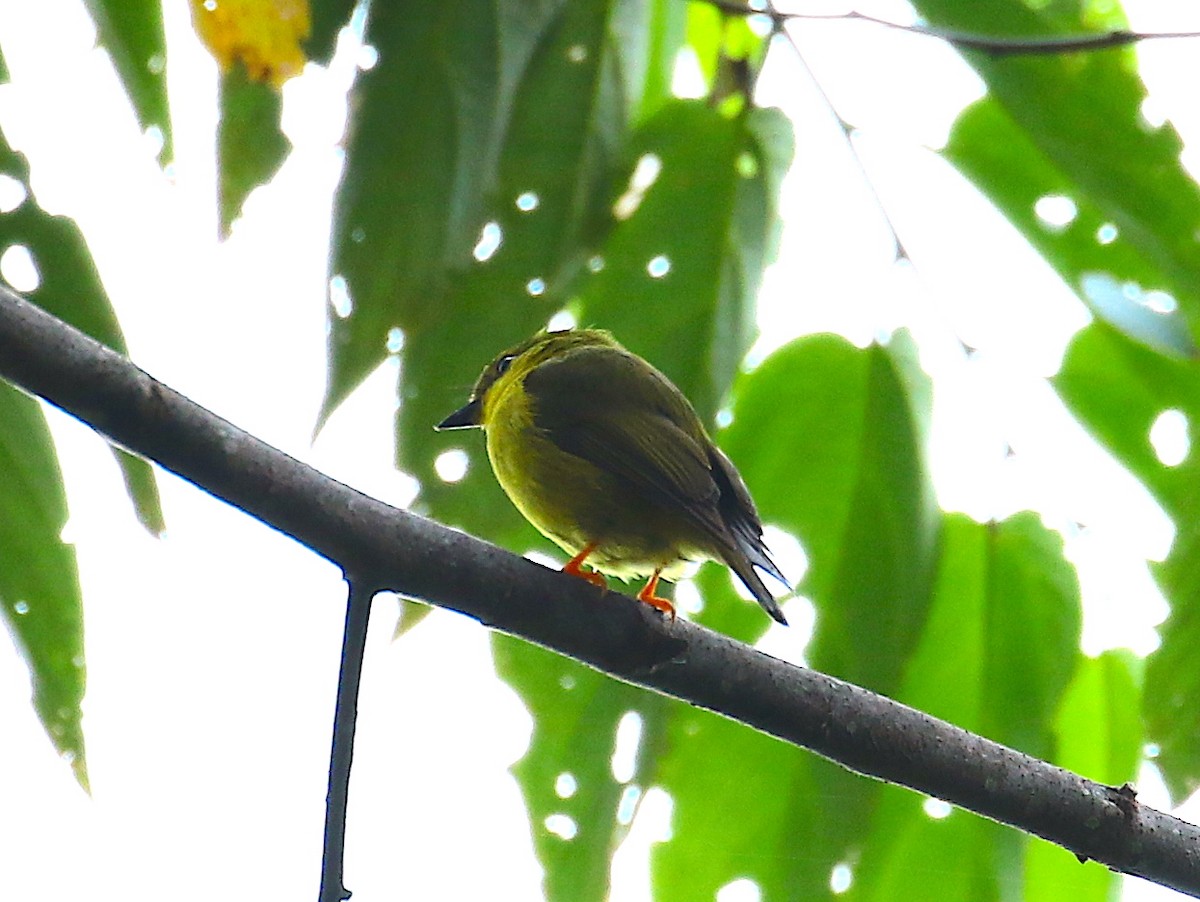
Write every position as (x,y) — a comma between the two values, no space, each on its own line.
(393,549)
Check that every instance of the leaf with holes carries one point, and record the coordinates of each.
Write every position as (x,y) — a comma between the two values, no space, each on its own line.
(550,200)
(580,803)
(696,227)
(1118,389)
(70,288)
(1072,124)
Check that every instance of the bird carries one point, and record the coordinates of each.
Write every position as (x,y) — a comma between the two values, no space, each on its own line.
(607,458)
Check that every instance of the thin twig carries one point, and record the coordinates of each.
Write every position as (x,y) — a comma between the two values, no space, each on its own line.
(994,45)
(354,640)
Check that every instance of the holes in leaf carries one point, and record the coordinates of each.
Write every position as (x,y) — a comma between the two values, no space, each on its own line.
(645,174)
(659,266)
(535,287)
(1056,211)
(841,878)
(12,193)
(452,465)
(395,340)
(565,785)
(528,201)
(1169,438)
(1107,233)
(490,238)
(741,890)
(563,826)
(627,806)
(339,297)
(625,749)
(18,269)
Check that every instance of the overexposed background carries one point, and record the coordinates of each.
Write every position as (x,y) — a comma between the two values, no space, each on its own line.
(213,651)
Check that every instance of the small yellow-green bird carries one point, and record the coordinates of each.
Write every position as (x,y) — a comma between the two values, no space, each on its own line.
(606,457)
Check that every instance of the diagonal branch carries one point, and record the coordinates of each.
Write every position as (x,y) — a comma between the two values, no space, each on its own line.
(382,546)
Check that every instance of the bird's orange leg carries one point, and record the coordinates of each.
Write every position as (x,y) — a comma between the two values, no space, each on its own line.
(647,595)
(575,567)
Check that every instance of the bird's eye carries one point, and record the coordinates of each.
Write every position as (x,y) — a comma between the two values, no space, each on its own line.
(504,363)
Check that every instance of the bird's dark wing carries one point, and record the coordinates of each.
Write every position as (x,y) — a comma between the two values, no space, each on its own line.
(621,415)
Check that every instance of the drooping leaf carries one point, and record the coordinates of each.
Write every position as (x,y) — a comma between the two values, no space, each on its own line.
(1118,389)
(692,252)
(1114,274)
(70,288)
(251,145)
(132,33)
(844,471)
(549,203)
(39,581)
(1071,124)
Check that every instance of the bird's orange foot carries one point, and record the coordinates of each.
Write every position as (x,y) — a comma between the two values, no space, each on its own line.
(575,567)
(647,595)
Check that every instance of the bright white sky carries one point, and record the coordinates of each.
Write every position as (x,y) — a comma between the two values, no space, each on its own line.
(213,653)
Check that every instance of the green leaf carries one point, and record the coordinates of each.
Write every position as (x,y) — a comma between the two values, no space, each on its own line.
(1100,736)
(39,580)
(250,143)
(328,17)
(132,33)
(1072,124)
(1103,269)
(549,201)
(998,650)
(70,288)
(1118,389)
(568,769)
(844,471)
(710,219)
(420,151)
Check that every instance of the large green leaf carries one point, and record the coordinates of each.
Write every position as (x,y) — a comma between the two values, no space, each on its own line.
(420,153)
(548,205)
(1071,124)
(996,656)
(844,470)
(39,581)
(1118,389)
(1113,275)
(710,220)
(132,33)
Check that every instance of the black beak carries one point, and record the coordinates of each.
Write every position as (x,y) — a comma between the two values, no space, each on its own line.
(465,417)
